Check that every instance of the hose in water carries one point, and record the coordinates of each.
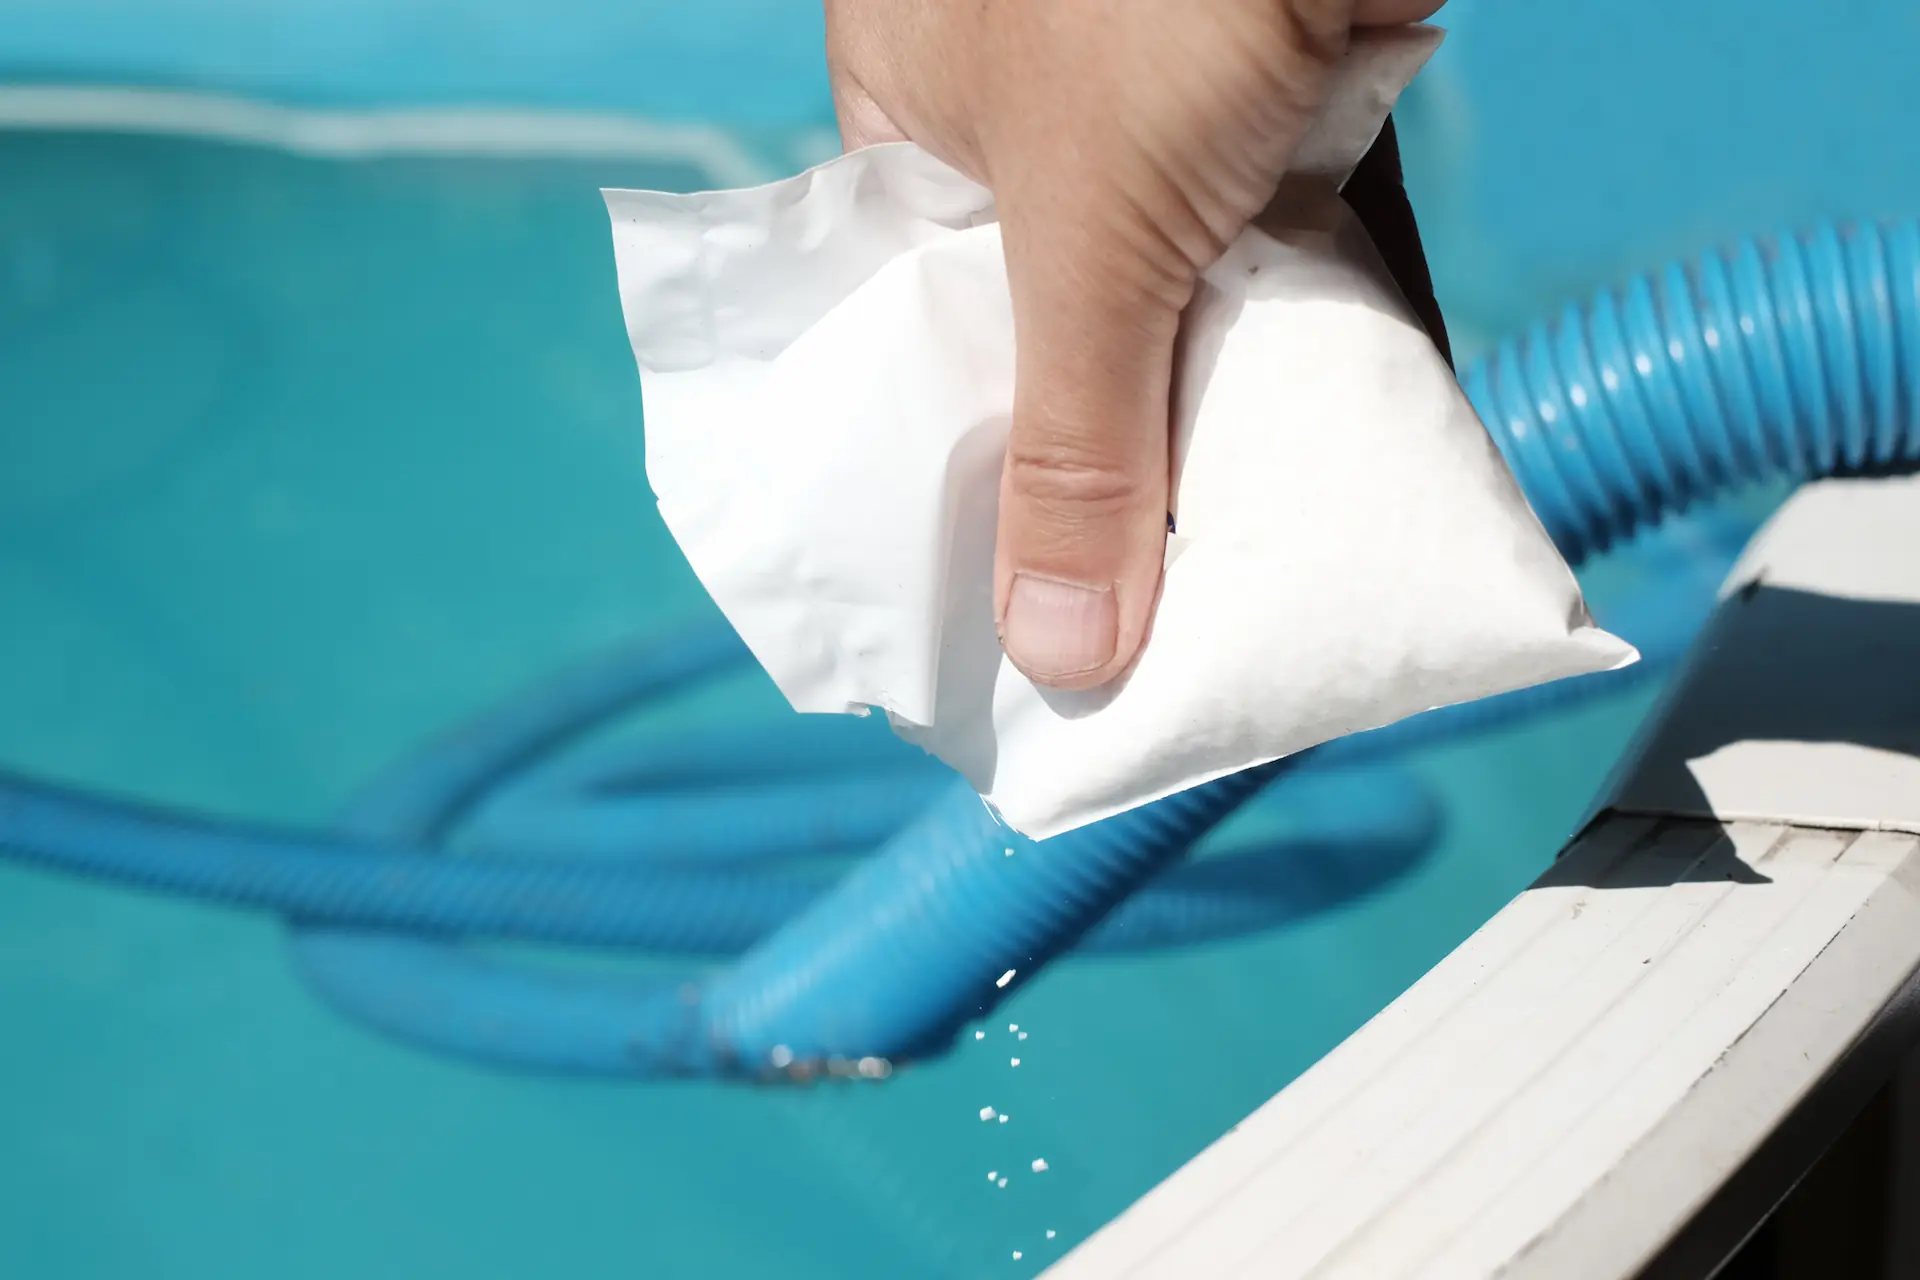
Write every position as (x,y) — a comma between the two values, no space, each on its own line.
(1787,359)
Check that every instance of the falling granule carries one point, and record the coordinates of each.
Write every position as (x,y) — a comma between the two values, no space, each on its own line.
(987,1113)
(979,1035)
(1003,1182)
(1023,1035)
(1049,1235)
(1003,1119)
(1039,1166)
(992,1174)
(1016,1252)
(1016,1062)
(1006,977)
(1009,851)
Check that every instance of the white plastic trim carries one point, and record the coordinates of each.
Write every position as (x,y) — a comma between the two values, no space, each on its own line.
(1801,701)
(1559,1096)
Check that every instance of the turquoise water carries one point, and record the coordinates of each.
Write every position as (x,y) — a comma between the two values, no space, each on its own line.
(301,461)
(309,459)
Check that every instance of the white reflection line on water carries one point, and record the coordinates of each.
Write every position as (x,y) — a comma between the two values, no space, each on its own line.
(359,134)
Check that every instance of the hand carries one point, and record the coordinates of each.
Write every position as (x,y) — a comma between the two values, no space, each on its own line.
(1127,143)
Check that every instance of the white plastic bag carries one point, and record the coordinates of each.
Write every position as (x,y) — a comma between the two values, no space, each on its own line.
(827,371)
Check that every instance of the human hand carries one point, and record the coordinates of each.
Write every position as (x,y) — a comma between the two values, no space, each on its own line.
(1127,144)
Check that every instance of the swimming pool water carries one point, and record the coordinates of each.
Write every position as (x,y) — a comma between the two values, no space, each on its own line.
(302,460)
(308,459)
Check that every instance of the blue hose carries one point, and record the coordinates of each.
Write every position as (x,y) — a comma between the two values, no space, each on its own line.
(1784,361)
(1797,359)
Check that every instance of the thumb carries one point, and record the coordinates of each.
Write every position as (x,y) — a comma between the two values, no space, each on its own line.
(1097,299)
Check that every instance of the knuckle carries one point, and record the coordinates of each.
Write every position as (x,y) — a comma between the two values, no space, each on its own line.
(1070,483)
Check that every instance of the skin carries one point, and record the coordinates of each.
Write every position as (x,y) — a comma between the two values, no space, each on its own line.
(1127,143)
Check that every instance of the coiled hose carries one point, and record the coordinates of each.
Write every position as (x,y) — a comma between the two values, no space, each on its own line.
(1788,360)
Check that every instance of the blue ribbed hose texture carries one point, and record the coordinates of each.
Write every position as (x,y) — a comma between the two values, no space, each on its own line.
(1786,359)
(1781,360)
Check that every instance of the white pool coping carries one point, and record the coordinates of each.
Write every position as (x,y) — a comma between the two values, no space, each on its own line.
(1621,1072)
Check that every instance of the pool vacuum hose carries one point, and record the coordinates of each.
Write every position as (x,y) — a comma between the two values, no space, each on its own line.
(1789,359)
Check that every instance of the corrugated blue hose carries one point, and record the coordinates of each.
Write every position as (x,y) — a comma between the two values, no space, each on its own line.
(1792,359)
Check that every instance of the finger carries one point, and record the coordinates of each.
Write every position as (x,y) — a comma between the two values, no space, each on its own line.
(862,121)
(1392,13)
(1083,511)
